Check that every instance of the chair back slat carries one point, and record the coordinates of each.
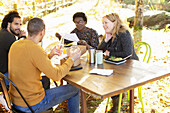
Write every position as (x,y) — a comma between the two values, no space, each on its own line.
(148,50)
(2,77)
(5,92)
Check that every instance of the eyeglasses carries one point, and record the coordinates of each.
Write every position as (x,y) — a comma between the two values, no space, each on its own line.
(79,22)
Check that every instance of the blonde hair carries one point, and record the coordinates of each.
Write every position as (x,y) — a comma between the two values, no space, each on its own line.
(119,25)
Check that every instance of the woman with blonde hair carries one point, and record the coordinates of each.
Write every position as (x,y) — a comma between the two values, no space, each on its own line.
(117,42)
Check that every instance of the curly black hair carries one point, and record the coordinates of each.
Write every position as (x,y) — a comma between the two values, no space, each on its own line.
(9,18)
(80,14)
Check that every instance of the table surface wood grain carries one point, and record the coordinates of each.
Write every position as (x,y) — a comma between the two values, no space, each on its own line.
(125,77)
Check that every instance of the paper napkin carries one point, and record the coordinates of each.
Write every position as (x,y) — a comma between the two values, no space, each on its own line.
(103,72)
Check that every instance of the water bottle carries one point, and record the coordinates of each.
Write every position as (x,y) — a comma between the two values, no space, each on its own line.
(99,56)
(91,55)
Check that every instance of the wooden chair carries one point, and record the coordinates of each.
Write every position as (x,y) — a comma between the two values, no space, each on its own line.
(6,95)
(147,56)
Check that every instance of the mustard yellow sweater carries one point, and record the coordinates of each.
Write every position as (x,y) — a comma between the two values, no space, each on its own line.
(27,61)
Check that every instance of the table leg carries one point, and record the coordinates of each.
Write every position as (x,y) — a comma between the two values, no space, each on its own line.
(83,102)
(131,110)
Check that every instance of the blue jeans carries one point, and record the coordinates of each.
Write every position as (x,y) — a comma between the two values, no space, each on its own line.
(55,96)
(6,81)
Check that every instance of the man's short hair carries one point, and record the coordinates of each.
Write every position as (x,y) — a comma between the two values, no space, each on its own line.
(35,25)
(80,14)
(9,18)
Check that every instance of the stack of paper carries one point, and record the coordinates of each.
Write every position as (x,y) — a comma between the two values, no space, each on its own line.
(103,72)
(71,37)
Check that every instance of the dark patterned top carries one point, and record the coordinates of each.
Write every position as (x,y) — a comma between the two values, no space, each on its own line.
(90,36)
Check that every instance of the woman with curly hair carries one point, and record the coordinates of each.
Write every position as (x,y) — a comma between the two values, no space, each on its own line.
(87,36)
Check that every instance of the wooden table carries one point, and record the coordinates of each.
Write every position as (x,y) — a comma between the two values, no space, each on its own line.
(125,77)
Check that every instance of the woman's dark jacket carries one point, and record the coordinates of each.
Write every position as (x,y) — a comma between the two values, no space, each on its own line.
(122,46)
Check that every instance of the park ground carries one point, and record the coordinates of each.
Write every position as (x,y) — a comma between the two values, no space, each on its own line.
(156,95)
(156,92)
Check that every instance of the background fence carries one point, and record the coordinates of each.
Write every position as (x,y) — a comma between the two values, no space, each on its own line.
(34,8)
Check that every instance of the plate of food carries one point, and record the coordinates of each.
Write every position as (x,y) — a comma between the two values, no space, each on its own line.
(115,60)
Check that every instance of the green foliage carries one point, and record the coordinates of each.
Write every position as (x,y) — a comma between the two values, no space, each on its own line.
(166,28)
(168,10)
(1,3)
(146,2)
(129,2)
(137,28)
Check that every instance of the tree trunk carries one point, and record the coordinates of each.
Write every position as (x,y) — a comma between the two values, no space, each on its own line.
(138,21)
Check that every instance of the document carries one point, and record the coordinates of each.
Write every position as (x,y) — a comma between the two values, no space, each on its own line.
(103,72)
(71,37)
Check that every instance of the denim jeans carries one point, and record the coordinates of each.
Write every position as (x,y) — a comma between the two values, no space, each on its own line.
(55,96)
(6,81)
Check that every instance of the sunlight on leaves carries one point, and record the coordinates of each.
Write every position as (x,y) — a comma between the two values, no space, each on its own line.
(1,3)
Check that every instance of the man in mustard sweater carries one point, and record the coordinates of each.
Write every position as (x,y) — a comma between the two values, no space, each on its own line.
(30,61)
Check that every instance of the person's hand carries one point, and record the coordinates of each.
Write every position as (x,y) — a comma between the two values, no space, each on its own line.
(108,37)
(107,53)
(74,53)
(60,46)
(83,42)
(55,51)
(22,34)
